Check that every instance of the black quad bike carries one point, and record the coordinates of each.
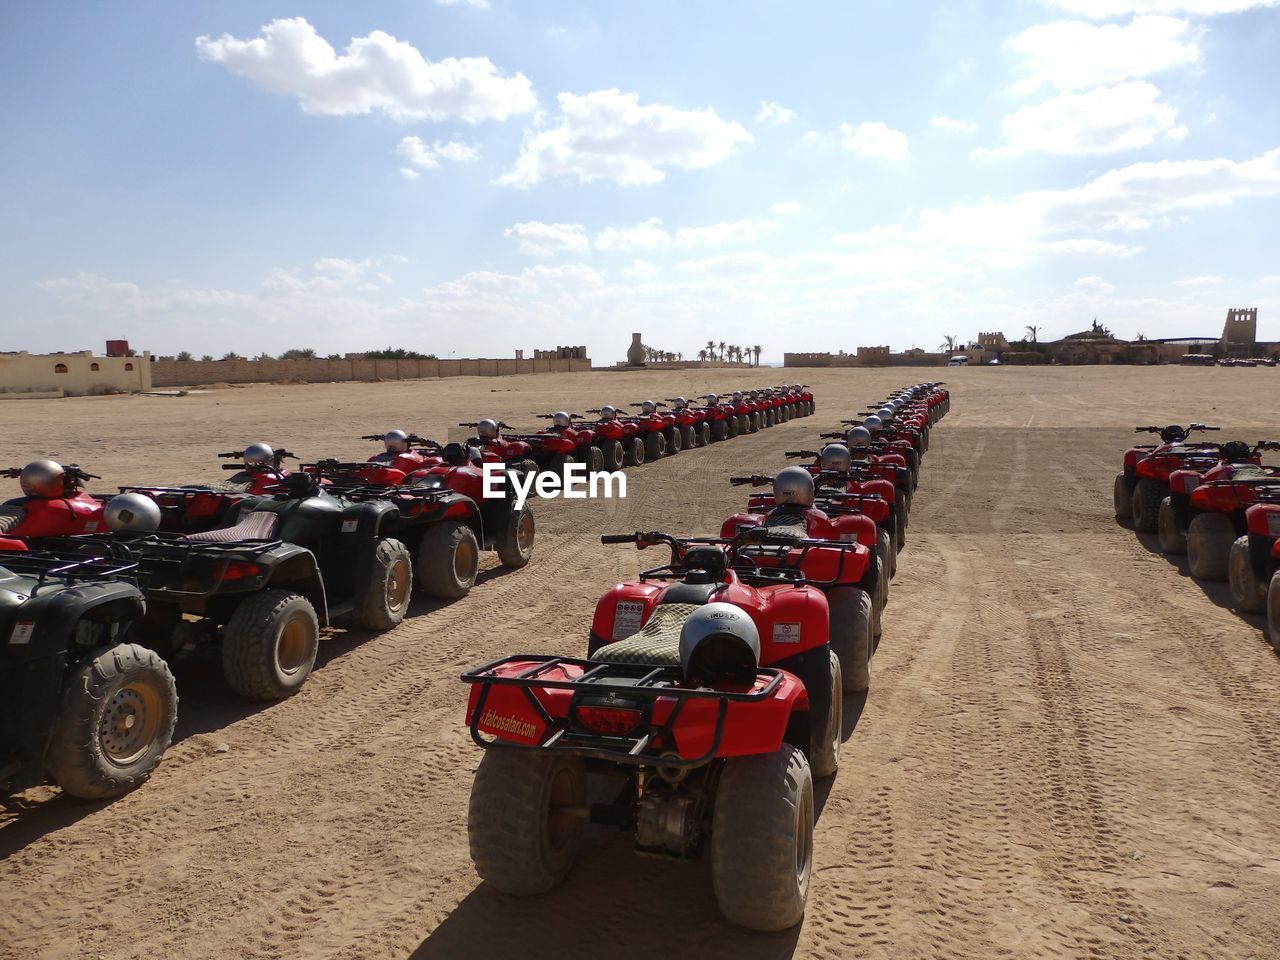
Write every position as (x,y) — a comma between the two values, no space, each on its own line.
(81,705)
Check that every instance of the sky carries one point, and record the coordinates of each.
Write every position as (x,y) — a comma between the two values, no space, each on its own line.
(472,177)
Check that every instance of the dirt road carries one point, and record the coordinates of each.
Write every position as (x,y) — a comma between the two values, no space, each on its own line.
(1070,749)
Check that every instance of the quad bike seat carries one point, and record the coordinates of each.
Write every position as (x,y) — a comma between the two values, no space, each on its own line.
(251,525)
(11,515)
(786,523)
(657,642)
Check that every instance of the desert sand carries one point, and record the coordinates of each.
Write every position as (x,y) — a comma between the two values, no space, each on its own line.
(1070,748)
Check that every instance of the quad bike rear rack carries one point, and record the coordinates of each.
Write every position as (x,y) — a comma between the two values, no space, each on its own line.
(67,566)
(633,682)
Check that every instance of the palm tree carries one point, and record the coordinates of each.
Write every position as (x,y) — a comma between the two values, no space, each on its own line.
(757,350)
(722,346)
(680,357)
(185,355)
(1033,330)
(949,343)
(702,355)
(711,349)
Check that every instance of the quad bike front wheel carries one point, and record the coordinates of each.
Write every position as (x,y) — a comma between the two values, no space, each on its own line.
(515,539)
(688,436)
(386,596)
(1172,540)
(595,459)
(560,463)
(675,439)
(448,560)
(719,430)
(851,633)
(1273,611)
(1248,593)
(1209,540)
(269,645)
(655,445)
(704,433)
(635,452)
(762,839)
(826,733)
(1146,505)
(1122,496)
(524,823)
(734,427)
(614,455)
(114,724)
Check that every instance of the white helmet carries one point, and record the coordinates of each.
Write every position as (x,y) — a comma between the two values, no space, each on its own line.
(608,413)
(487,429)
(836,456)
(857,438)
(737,396)
(713,399)
(131,513)
(873,423)
(43,478)
(258,455)
(561,419)
(648,406)
(719,640)
(680,403)
(397,441)
(793,485)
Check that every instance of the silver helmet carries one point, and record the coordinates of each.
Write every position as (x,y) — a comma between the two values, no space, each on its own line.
(793,485)
(396,441)
(719,640)
(857,438)
(713,399)
(131,513)
(561,419)
(873,423)
(737,396)
(43,478)
(886,414)
(680,403)
(608,413)
(648,407)
(487,429)
(797,387)
(835,456)
(258,455)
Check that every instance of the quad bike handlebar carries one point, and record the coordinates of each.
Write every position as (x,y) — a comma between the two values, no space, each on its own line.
(793,454)
(411,439)
(643,402)
(502,425)
(752,481)
(552,416)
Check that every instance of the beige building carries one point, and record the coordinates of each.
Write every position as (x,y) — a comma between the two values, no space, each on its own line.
(31,375)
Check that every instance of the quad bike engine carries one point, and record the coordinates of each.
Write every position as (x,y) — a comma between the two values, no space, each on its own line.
(666,823)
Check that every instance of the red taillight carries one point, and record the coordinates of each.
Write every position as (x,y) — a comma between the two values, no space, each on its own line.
(460,509)
(608,721)
(241,570)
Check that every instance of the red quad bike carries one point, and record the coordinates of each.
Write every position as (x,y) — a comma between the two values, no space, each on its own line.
(1204,513)
(888,441)
(442,517)
(691,422)
(746,411)
(885,462)
(673,434)
(722,417)
(838,514)
(586,445)
(713,740)
(651,430)
(261,469)
(781,405)
(498,449)
(54,504)
(1255,560)
(1144,482)
(805,405)
(610,427)
(880,483)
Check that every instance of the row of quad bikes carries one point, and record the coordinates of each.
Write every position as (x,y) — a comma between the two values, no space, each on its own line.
(91,616)
(674,734)
(1217,503)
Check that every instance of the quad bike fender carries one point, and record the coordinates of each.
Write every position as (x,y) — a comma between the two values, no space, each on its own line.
(623,610)
(10,545)
(790,619)
(63,517)
(739,522)
(749,728)
(1182,509)
(363,526)
(1222,497)
(855,528)
(1263,522)
(296,570)
(1183,481)
(883,489)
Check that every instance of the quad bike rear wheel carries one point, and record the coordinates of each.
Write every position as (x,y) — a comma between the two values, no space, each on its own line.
(852,635)
(635,452)
(595,459)
(1248,593)
(560,463)
(887,557)
(448,560)
(514,541)
(1122,495)
(826,733)
(704,433)
(528,467)
(1172,540)
(655,445)
(1146,505)
(719,430)
(762,839)
(614,455)
(1209,540)
(386,597)
(524,823)
(675,439)
(900,517)
(114,724)
(734,427)
(1273,611)
(688,436)
(269,645)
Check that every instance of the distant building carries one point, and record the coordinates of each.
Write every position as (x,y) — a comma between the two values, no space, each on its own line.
(561,353)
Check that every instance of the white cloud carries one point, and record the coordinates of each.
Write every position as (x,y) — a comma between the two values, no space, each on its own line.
(1275,278)
(874,139)
(1094,285)
(640,270)
(1102,9)
(774,113)
(788,208)
(610,135)
(420,156)
(478,4)
(1075,55)
(720,234)
(959,126)
(1207,280)
(374,73)
(539,239)
(1104,120)
(646,235)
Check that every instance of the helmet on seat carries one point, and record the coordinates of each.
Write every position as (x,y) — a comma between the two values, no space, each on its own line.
(487,429)
(737,396)
(835,456)
(873,423)
(679,403)
(648,406)
(857,438)
(258,455)
(561,419)
(886,413)
(713,399)
(43,478)
(396,441)
(793,485)
(131,513)
(608,413)
(719,641)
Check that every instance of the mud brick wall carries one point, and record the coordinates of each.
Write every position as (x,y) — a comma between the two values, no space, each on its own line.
(184,373)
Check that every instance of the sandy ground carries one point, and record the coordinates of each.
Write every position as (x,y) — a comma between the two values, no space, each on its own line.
(1070,748)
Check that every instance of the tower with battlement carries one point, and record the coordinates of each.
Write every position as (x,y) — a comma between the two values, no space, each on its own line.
(1241,328)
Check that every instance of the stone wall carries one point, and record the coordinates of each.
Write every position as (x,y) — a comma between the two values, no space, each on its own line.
(174,373)
(73,374)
